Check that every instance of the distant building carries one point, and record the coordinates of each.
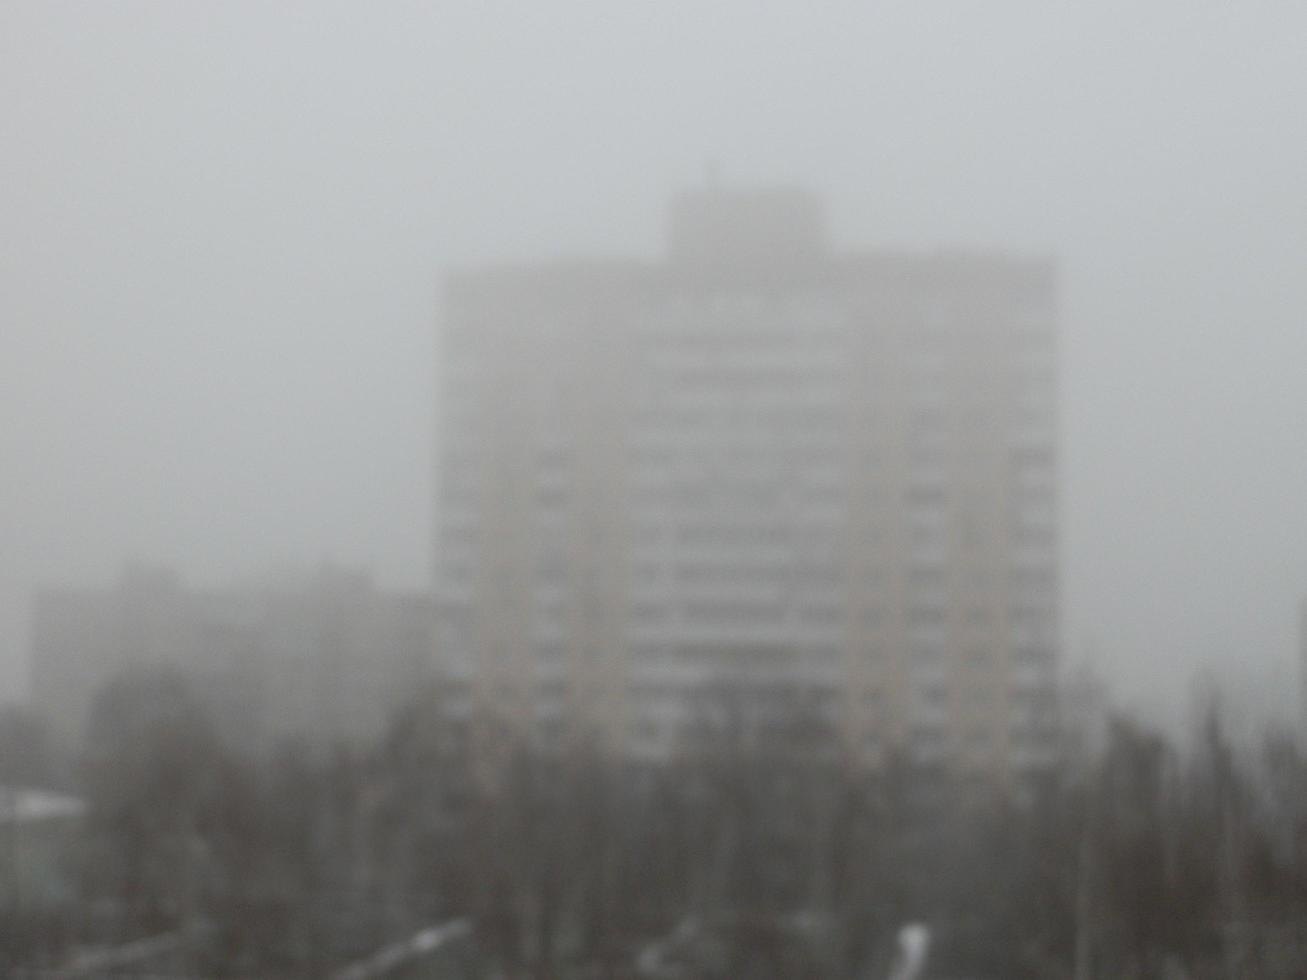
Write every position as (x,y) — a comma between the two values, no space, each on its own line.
(762,459)
(39,829)
(326,657)
(1302,664)
(1085,709)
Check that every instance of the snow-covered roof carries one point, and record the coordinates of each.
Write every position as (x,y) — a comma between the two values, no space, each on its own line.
(37,805)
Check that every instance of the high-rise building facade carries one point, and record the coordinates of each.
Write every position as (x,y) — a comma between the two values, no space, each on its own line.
(763,460)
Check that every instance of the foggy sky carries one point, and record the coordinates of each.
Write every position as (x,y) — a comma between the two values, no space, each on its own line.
(223,226)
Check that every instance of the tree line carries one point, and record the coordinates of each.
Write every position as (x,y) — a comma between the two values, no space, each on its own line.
(760,850)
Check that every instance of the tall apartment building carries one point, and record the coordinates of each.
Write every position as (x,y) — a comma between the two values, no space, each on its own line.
(764,460)
(324,657)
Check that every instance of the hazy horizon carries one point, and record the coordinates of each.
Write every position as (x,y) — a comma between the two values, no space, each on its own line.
(226,229)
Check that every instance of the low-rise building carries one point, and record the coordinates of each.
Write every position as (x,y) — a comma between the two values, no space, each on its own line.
(324,657)
(37,828)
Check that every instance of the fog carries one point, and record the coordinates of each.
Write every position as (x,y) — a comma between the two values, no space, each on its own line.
(225,229)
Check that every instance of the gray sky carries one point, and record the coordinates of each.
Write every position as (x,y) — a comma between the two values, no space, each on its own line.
(222,228)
